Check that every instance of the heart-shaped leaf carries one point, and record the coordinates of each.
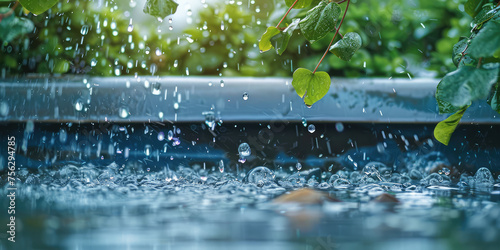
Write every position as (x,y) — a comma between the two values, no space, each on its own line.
(347,46)
(300,3)
(487,40)
(160,8)
(280,41)
(265,41)
(444,129)
(311,86)
(37,7)
(464,85)
(320,20)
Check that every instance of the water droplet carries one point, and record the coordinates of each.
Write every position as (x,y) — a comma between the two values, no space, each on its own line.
(161,136)
(244,150)
(158,52)
(130,28)
(4,109)
(221,166)
(79,105)
(209,119)
(311,128)
(147,150)
(170,20)
(304,121)
(170,135)
(63,136)
(339,127)
(298,166)
(123,112)
(156,88)
(176,106)
(245,96)
(118,71)
(93,62)
(85,30)
(260,176)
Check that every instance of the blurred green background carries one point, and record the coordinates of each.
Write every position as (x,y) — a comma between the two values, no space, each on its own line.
(411,38)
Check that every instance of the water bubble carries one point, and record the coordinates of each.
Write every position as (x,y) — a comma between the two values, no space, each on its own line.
(339,127)
(483,177)
(311,128)
(298,166)
(4,109)
(84,30)
(123,112)
(341,183)
(260,176)
(245,96)
(244,150)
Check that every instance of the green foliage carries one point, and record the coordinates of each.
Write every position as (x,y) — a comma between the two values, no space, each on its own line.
(160,8)
(347,46)
(265,41)
(13,26)
(486,41)
(38,7)
(444,129)
(281,40)
(478,70)
(310,86)
(320,20)
(459,88)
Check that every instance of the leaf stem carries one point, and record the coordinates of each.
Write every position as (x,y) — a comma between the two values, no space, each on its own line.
(8,13)
(336,32)
(479,62)
(286,14)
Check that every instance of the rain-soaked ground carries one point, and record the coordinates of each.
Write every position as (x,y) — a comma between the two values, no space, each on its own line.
(186,186)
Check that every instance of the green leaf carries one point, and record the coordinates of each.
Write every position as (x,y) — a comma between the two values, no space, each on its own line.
(494,99)
(61,66)
(37,7)
(444,129)
(320,20)
(347,46)
(160,8)
(311,86)
(487,40)
(473,7)
(300,3)
(280,40)
(13,26)
(265,41)
(464,85)
(486,13)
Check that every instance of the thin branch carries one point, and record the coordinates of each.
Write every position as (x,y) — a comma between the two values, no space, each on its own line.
(286,14)
(336,32)
(8,13)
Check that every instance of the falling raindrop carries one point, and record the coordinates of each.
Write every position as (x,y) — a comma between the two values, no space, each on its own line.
(156,88)
(93,62)
(63,136)
(161,136)
(147,150)
(311,128)
(244,151)
(245,96)
(79,105)
(339,127)
(221,166)
(298,166)
(170,135)
(123,112)
(4,109)
(85,30)
(304,121)
(209,119)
